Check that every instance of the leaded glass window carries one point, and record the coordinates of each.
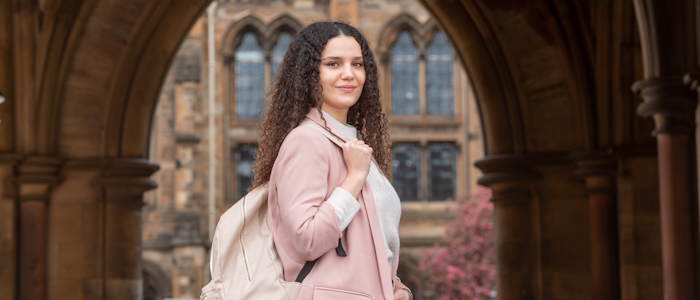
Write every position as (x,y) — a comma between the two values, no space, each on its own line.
(439,76)
(278,51)
(404,76)
(249,77)
(405,166)
(441,171)
(244,158)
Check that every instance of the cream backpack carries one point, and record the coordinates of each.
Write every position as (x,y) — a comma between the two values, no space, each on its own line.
(244,261)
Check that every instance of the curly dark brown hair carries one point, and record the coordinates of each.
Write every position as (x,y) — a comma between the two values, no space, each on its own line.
(296,90)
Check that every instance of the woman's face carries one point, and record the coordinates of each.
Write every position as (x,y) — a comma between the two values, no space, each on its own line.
(341,75)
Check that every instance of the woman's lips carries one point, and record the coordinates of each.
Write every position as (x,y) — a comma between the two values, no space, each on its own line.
(347,88)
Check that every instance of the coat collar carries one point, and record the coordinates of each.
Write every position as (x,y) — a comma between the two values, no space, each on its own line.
(315,115)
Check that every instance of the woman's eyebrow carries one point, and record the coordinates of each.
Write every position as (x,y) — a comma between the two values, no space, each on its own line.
(338,58)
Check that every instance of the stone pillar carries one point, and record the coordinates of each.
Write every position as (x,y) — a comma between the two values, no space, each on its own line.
(509,178)
(122,184)
(673,107)
(34,179)
(8,226)
(598,170)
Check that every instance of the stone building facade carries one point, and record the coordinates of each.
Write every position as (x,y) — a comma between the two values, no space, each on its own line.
(434,126)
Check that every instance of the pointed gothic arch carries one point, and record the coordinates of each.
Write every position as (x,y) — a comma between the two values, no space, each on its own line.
(98,67)
(234,34)
(401,22)
(283,22)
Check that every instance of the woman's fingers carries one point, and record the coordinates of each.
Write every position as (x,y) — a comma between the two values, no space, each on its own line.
(357,157)
(358,145)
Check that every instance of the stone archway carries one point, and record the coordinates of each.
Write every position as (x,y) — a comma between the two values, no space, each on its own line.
(156,284)
(81,79)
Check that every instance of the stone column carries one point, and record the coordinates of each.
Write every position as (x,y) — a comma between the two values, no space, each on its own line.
(669,101)
(598,170)
(509,178)
(35,177)
(8,226)
(122,184)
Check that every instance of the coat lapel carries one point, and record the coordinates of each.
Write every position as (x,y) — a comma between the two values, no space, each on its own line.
(378,240)
(371,211)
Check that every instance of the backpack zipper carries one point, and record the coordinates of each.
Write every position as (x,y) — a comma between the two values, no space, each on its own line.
(240,239)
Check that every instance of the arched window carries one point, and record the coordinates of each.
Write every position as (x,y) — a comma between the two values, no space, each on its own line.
(438,166)
(249,77)
(278,52)
(257,52)
(441,171)
(245,157)
(423,100)
(405,167)
(439,62)
(404,76)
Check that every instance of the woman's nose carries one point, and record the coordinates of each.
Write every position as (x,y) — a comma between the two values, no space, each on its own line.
(347,72)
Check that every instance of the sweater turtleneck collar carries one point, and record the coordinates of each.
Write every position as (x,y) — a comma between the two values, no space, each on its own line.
(347,131)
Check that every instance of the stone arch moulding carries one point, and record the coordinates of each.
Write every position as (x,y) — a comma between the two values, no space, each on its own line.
(283,22)
(429,28)
(392,28)
(131,133)
(496,94)
(233,36)
(64,36)
(155,278)
(520,64)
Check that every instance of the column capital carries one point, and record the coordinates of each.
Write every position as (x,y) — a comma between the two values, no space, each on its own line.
(670,101)
(508,175)
(36,175)
(123,173)
(10,158)
(597,168)
(505,168)
(124,180)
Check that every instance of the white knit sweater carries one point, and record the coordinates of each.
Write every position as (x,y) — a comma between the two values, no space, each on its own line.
(385,198)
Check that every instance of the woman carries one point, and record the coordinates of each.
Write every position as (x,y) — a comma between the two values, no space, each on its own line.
(331,205)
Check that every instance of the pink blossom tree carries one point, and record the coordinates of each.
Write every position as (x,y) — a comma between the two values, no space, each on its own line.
(462,266)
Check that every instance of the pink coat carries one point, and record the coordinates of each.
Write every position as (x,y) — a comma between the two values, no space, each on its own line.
(304,226)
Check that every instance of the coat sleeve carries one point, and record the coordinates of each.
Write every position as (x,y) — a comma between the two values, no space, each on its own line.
(302,183)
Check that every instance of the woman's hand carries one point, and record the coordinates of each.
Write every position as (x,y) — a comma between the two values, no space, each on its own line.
(401,294)
(358,156)
(401,291)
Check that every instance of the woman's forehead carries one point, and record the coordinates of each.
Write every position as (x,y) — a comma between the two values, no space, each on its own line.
(342,46)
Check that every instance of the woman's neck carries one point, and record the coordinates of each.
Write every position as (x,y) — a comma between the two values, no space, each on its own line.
(340,115)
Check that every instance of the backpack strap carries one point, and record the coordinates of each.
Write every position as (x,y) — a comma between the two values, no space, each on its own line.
(338,141)
(334,138)
(305,270)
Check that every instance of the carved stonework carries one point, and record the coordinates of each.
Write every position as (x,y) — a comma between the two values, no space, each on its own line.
(510,178)
(38,175)
(670,102)
(597,169)
(127,178)
(35,177)
(505,174)
(188,62)
(187,228)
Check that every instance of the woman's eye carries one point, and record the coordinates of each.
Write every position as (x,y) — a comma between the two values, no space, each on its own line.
(332,64)
(358,64)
